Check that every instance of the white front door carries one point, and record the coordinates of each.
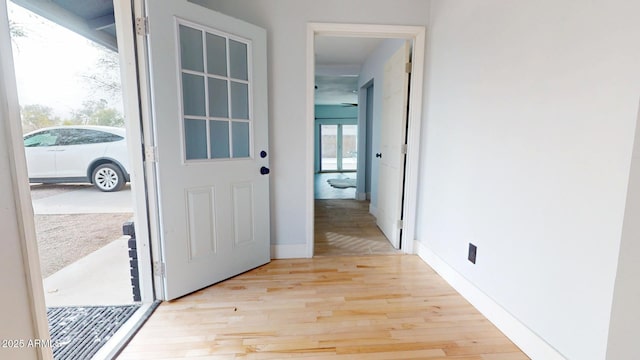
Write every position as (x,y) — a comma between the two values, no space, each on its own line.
(208,80)
(392,140)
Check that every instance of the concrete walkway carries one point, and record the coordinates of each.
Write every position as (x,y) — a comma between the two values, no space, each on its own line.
(100,278)
(86,200)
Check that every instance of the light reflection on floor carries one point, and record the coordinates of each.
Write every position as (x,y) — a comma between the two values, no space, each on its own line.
(345,227)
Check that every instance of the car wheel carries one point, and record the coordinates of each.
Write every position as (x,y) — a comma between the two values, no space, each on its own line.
(108,178)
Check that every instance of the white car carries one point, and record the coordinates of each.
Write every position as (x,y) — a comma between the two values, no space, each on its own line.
(71,154)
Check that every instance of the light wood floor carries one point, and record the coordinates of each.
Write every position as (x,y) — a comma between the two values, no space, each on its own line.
(345,227)
(369,307)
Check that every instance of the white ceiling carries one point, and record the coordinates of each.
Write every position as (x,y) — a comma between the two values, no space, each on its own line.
(332,90)
(338,62)
(332,50)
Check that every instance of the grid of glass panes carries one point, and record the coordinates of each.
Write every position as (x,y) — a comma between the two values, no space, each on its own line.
(214,70)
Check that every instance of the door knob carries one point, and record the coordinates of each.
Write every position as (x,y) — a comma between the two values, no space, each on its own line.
(379,155)
(264,170)
(263,154)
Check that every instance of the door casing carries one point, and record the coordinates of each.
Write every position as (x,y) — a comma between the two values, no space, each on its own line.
(123,16)
(418,35)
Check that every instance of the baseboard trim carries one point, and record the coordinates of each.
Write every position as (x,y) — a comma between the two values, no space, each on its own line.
(362,196)
(296,251)
(528,341)
(373,210)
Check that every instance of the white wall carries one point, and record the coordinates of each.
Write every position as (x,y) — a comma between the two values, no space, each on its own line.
(531,114)
(624,331)
(16,317)
(373,70)
(286,24)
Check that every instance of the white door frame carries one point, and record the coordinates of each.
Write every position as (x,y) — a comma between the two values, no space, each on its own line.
(418,35)
(10,115)
(134,105)
(20,188)
(138,79)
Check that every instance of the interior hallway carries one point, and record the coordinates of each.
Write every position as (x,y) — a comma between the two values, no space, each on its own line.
(371,307)
(345,227)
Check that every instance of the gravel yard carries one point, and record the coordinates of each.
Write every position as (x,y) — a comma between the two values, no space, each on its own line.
(63,239)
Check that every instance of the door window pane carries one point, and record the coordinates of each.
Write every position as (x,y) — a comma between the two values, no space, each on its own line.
(349,147)
(193,94)
(218,98)
(219,135)
(238,60)
(239,100)
(195,138)
(216,55)
(215,94)
(329,147)
(240,133)
(191,49)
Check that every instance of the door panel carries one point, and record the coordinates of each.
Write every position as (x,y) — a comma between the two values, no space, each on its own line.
(201,218)
(393,135)
(209,96)
(243,213)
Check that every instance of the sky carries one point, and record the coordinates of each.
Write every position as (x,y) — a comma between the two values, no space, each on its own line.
(50,61)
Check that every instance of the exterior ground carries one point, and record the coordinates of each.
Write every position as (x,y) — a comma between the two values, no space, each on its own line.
(65,238)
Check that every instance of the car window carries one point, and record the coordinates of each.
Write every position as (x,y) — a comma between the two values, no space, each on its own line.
(85,136)
(43,138)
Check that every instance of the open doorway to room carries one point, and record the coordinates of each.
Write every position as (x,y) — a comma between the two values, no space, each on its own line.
(349,114)
(336,134)
(79,171)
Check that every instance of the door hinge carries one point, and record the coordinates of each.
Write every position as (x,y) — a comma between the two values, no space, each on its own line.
(159,269)
(142,26)
(150,153)
(403,148)
(399,224)
(408,67)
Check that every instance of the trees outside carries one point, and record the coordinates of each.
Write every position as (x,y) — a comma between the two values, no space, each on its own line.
(96,112)
(93,112)
(37,116)
(16,30)
(104,78)
(102,98)
(105,81)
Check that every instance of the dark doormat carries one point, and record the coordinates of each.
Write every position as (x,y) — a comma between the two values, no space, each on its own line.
(78,332)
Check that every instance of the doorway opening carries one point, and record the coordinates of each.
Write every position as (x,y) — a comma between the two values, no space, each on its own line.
(336,132)
(338,147)
(372,47)
(96,282)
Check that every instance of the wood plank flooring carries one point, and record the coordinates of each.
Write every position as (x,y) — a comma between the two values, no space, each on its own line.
(351,307)
(345,227)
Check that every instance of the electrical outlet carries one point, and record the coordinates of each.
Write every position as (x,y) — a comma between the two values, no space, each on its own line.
(472,253)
